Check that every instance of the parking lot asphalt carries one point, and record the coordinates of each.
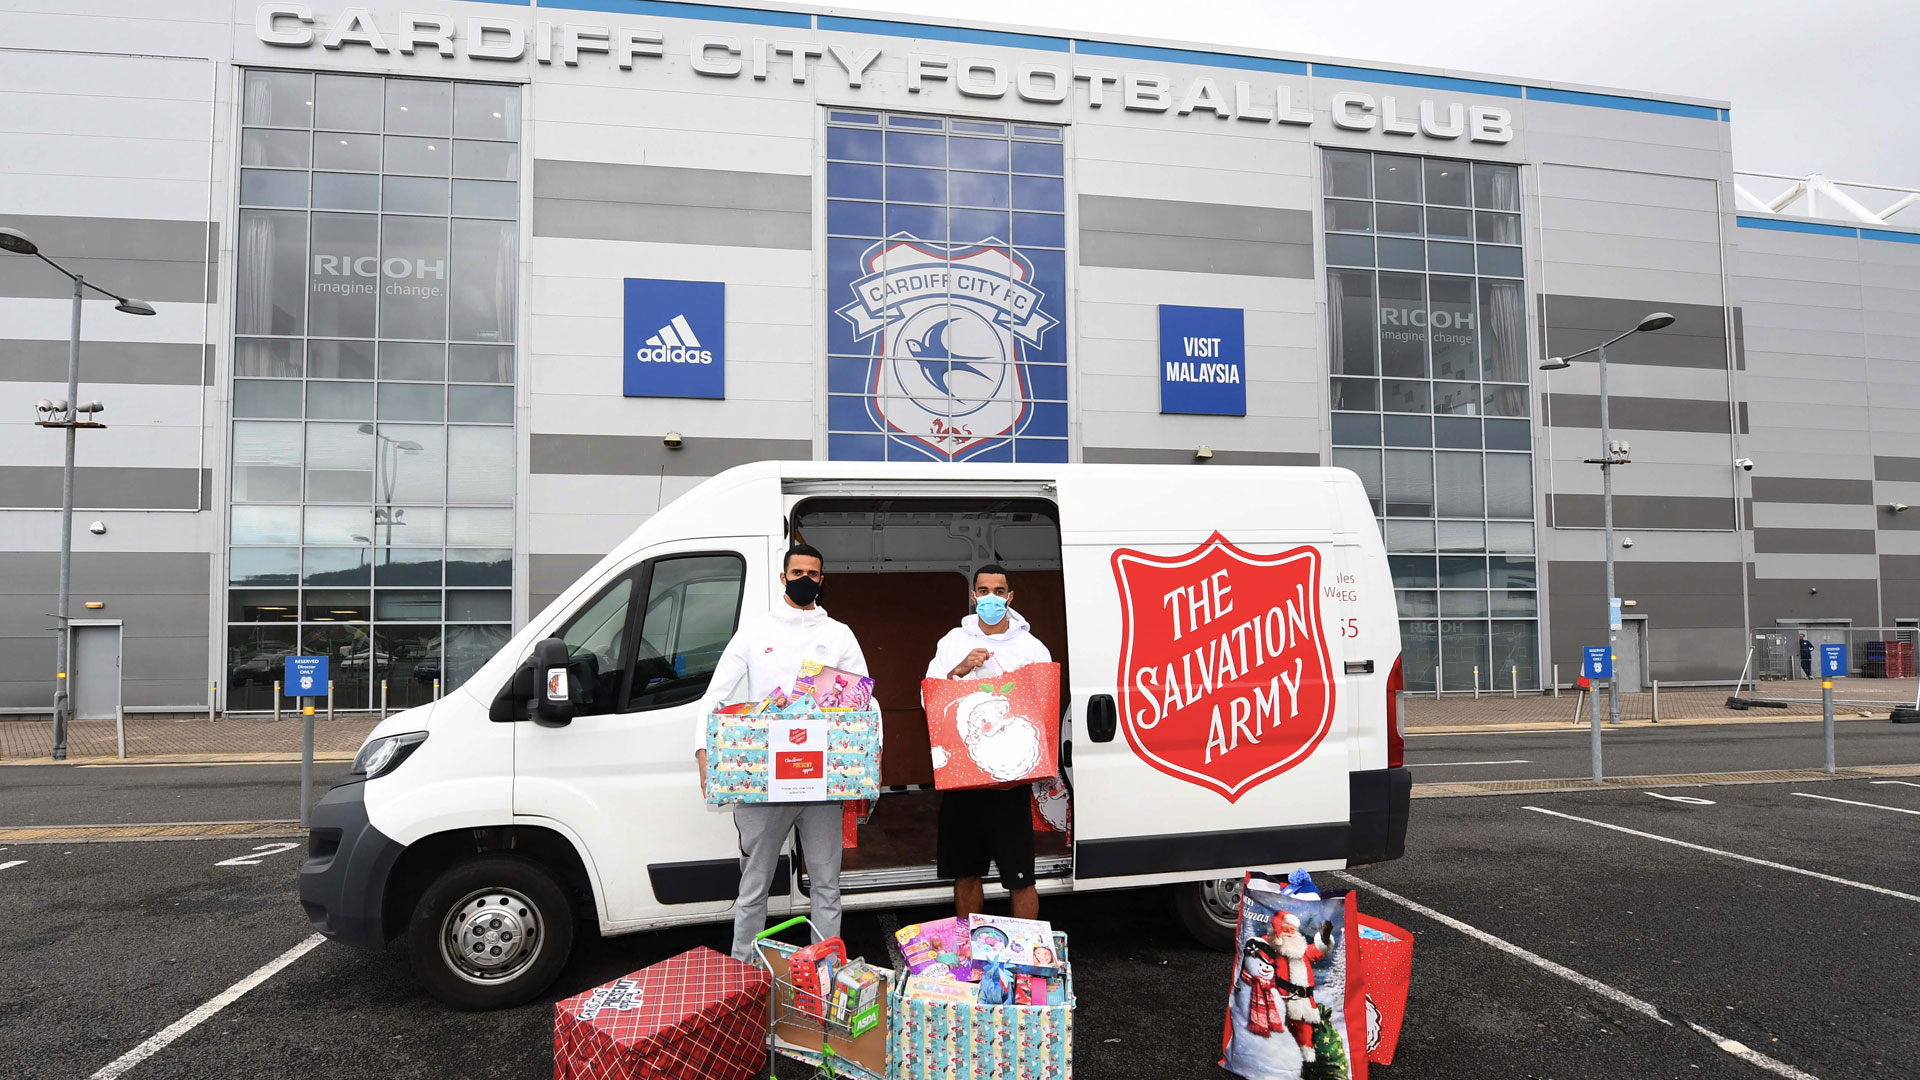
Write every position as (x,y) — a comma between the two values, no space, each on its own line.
(121,794)
(110,943)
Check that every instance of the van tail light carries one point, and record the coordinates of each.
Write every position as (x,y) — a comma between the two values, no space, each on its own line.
(1396,740)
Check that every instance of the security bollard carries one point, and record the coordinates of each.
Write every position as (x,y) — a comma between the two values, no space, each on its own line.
(213,701)
(1656,701)
(1514,675)
(1436,682)
(1826,720)
(306,765)
(276,699)
(436,689)
(383,699)
(1476,682)
(329,699)
(1556,680)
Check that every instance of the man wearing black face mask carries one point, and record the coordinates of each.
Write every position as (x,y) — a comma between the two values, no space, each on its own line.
(767,650)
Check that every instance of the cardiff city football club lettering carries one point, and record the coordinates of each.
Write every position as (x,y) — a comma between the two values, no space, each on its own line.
(947,327)
(1225,678)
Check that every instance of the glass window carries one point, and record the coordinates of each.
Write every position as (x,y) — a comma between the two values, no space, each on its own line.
(277,99)
(407,605)
(1464,659)
(336,566)
(692,606)
(1403,325)
(1344,250)
(347,102)
(479,605)
(1419,652)
(1509,486)
(346,191)
(480,566)
(1397,254)
(409,525)
(486,270)
(1515,602)
(1396,178)
(596,650)
(339,359)
(1413,571)
(1450,325)
(1460,399)
(486,198)
(1349,174)
(274,149)
(482,465)
(1491,228)
(402,566)
(1405,395)
(1463,572)
(1499,261)
(1461,604)
(414,195)
(1351,322)
(1515,537)
(419,107)
(472,526)
(256,659)
(265,397)
(1409,534)
(263,605)
(419,157)
(1346,216)
(1503,345)
(1509,401)
(1462,536)
(266,462)
(348,152)
(340,525)
(1356,429)
(1450,259)
(263,566)
(1496,187)
(340,400)
(1510,572)
(1448,224)
(1456,432)
(266,358)
(413,463)
(1407,430)
(486,111)
(1365,464)
(486,160)
(1457,479)
(407,658)
(1395,218)
(1514,654)
(413,401)
(346,277)
(266,525)
(1417,604)
(413,360)
(1360,395)
(337,605)
(469,647)
(1409,483)
(339,461)
(272,293)
(266,187)
(413,268)
(1447,182)
(479,364)
(480,404)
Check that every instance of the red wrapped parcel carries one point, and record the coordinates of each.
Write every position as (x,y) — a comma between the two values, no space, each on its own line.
(696,1016)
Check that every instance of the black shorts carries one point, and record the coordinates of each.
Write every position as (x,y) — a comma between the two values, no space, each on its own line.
(984,825)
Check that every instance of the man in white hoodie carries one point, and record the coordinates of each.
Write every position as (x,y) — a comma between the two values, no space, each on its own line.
(767,649)
(983,825)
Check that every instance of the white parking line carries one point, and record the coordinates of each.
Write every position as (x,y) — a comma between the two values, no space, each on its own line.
(1619,997)
(1443,764)
(1730,855)
(1850,802)
(11,864)
(1613,994)
(1902,783)
(187,1023)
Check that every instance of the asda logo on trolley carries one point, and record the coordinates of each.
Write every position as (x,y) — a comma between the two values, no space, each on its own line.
(676,339)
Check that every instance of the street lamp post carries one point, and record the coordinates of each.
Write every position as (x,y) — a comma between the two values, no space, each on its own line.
(66,414)
(1610,455)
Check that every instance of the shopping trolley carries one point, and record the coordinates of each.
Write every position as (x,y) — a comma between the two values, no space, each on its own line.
(793,1025)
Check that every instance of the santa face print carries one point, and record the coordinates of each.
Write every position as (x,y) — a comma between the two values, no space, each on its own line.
(1004,746)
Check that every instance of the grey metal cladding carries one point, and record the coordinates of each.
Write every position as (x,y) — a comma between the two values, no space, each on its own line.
(1704,513)
(653,203)
(1813,541)
(37,487)
(153,363)
(1791,598)
(1804,489)
(1206,238)
(1896,468)
(150,258)
(1671,594)
(645,455)
(107,574)
(1697,338)
(1637,413)
(550,575)
(1124,455)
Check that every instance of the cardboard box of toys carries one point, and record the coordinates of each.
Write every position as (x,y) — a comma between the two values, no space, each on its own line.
(792,748)
(944,1029)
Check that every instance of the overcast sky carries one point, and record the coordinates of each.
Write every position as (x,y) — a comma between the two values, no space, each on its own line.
(1816,86)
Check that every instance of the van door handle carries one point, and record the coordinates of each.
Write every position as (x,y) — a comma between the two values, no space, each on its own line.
(1103,718)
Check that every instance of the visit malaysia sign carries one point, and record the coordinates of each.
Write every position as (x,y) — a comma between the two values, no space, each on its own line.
(1225,677)
(1203,360)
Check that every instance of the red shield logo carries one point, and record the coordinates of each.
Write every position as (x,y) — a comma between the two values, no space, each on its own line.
(797,736)
(1225,679)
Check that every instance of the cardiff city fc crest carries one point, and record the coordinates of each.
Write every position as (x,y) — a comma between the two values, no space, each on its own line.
(1225,677)
(947,325)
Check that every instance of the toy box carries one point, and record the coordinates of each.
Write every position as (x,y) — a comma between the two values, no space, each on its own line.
(832,688)
(963,1040)
(937,948)
(994,732)
(696,1016)
(806,756)
(856,998)
(939,988)
(1024,945)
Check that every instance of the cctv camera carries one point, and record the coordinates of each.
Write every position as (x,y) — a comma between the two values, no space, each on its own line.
(1626,541)
(98,528)
(1745,463)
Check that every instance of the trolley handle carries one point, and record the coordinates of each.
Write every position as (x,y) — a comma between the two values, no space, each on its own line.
(772,930)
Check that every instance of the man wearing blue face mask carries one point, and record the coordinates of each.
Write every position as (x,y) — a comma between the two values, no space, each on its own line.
(983,825)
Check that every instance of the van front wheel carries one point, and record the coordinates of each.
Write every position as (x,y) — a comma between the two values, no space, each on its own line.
(490,933)
(1210,910)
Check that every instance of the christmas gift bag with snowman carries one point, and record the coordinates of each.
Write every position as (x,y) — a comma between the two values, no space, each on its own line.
(996,731)
(1289,1016)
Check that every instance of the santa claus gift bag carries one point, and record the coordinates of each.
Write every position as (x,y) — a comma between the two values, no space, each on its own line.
(1382,962)
(996,731)
(1289,1016)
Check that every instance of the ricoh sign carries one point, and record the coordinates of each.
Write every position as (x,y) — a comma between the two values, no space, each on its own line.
(985,78)
(347,275)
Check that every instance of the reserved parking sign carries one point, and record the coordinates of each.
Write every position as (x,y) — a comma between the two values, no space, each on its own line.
(306,677)
(1598,663)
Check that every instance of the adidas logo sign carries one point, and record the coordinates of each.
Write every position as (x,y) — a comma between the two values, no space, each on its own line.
(674,343)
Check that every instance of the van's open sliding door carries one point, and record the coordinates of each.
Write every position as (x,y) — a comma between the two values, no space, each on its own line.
(1199,644)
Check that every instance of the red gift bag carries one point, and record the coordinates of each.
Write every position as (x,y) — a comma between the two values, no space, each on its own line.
(696,1016)
(1383,972)
(994,731)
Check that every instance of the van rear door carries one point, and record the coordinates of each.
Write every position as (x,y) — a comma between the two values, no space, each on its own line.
(1208,734)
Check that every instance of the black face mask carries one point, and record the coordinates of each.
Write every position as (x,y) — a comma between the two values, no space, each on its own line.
(803,591)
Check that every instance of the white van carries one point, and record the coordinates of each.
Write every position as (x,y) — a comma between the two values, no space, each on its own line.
(1231,668)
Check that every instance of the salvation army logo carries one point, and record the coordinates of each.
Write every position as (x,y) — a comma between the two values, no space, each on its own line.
(797,736)
(1225,678)
(947,325)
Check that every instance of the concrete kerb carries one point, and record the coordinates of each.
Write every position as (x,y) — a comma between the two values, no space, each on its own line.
(1620,783)
(1557,725)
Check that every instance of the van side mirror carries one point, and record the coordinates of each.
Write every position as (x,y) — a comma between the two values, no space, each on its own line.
(553,692)
(1103,718)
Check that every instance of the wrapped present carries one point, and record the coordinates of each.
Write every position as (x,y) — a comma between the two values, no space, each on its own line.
(956,1038)
(1291,1010)
(1383,969)
(696,1016)
(994,732)
(805,756)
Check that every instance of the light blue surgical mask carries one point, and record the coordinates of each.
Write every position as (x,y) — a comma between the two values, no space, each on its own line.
(991,609)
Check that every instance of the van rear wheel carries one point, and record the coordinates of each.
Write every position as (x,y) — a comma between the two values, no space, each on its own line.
(1209,910)
(490,933)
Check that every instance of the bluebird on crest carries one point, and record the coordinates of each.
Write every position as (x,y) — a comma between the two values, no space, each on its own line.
(937,362)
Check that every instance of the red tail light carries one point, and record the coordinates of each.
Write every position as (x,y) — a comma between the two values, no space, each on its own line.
(1396,741)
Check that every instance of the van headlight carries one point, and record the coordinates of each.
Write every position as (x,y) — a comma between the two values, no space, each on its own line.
(382,756)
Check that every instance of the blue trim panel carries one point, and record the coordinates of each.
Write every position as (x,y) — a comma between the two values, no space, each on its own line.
(943,33)
(669,10)
(1188,56)
(1411,78)
(1780,225)
(1615,101)
(1884,234)
(512,3)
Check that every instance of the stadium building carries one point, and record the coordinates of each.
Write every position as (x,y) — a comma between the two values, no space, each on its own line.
(452,296)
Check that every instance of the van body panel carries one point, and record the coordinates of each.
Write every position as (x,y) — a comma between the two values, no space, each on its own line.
(461,777)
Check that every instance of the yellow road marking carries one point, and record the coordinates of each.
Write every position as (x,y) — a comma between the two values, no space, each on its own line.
(189,830)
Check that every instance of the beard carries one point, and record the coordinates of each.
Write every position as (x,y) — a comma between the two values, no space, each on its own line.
(1291,943)
(1010,753)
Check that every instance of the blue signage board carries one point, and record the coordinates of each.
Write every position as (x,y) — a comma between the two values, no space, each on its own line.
(1613,613)
(676,339)
(1203,360)
(306,677)
(1598,662)
(1833,661)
